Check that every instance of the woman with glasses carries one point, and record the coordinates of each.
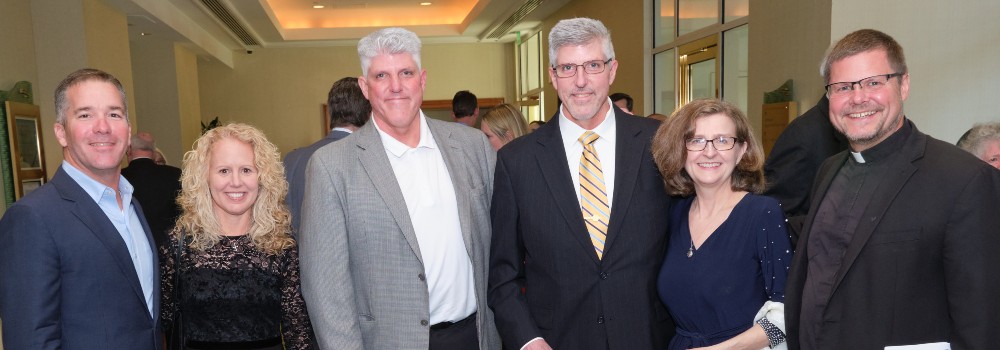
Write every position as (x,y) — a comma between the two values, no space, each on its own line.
(723,277)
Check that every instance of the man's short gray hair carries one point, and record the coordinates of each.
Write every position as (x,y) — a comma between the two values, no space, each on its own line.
(388,41)
(974,141)
(579,31)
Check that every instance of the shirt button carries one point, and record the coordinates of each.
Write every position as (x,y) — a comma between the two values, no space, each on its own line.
(421,277)
(600,320)
(604,275)
(423,322)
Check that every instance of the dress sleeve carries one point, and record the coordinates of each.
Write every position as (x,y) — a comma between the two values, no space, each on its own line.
(296,330)
(168,304)
(774,252)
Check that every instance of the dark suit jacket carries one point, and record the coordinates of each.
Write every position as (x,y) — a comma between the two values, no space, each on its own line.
(156,188)
(540,243)
(295,173)
(791,167)
(66,278)
(922,265)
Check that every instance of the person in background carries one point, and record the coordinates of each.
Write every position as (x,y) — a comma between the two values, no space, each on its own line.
(534,125)
(158,157)
(502,124)
(983,141)
(156,186)
(658,117)
(348,110)
(900,244)
(465,108)
(579,224)
(623,101)
(238,271)
(709,155)
(78,266)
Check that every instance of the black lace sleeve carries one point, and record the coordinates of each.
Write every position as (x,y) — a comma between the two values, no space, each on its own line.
(168,303)
(296,328)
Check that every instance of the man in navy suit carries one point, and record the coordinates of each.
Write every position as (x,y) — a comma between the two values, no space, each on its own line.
(348,110)
(78,266)
(555,282)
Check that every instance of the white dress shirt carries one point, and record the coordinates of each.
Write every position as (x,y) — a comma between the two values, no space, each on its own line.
(605,146)
(430,200)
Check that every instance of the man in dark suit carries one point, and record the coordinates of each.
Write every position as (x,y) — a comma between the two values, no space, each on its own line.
(465,108)
(156,186)
(795,158)
(579,227)
(78,268)
(348,110)
(900,245)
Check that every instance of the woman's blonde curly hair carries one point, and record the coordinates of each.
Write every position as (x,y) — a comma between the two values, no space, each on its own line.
(271,220)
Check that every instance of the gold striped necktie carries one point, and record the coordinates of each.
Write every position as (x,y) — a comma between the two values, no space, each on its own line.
(593,195)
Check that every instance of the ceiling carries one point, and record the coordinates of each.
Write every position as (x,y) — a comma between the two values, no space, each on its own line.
(249,24)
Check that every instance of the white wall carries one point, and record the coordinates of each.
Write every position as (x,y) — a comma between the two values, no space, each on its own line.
(951,52)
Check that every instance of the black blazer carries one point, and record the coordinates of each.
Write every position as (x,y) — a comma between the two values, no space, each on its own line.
(66,278)
(922,266)
(156,188)
(541,245)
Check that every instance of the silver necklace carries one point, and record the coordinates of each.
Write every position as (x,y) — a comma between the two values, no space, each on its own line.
(691,250)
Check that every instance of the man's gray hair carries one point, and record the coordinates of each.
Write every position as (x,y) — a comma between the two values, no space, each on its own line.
(579,31)
(142,143)
(80,76)
(974,141)
(388,41)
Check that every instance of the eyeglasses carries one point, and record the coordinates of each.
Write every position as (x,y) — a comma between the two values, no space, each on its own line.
(591,67)
(721,143)
(870,84)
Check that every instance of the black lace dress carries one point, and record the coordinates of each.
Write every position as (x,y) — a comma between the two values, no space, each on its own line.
(236,296)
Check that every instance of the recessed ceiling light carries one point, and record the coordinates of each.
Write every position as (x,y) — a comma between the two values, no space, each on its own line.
(316,5)
(425,4)
(145,34)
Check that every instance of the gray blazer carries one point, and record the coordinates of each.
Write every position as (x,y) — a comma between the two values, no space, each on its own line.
(360,259)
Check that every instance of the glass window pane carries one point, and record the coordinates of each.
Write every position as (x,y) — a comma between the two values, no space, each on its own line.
(736,9)
(663,22)
(702,75)
(523,66)
(664,82)
(696,14)
(534,59)
(734,65)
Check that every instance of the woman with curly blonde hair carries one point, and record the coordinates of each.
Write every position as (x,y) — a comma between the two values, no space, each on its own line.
(235,277)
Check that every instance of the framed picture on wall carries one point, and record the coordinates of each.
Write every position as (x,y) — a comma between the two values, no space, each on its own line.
(24,124)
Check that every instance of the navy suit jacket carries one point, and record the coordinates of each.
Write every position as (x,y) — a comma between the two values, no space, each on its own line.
(545,278)
(295,173)
(66,277)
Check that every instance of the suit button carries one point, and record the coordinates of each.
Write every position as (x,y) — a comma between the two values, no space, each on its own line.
(600,320)
(604,275)
(423,322)
(421,277)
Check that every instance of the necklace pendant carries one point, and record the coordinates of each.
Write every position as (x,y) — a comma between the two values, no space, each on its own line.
(690,252)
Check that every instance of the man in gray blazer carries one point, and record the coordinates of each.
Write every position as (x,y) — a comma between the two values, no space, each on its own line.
(348,110)
(396,226)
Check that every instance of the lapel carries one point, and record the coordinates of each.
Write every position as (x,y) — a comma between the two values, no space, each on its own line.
(900,171)
(451,151)
(630,149)
(551,157)
(822,184)
(91,215)
(371,154)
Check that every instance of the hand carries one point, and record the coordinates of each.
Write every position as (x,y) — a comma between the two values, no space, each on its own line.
(537,344)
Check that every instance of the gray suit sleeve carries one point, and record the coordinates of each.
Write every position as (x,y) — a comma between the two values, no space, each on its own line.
(327,284)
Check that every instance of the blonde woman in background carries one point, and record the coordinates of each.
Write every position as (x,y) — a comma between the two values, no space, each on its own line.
(239,267)
(502,124)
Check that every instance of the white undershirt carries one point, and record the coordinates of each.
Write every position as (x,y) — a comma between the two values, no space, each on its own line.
(430,200)
(605,147)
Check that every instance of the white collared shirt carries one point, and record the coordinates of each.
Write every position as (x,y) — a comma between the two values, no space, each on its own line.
(430,200)
(605,146)
(126,222)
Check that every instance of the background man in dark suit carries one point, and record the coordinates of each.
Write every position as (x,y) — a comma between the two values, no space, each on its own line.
(900,245)
(465,108)
(348,110)
(78,268)
(587,261)
(795,158)
(156,186)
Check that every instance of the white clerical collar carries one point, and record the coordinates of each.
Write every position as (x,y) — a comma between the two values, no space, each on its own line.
(858,157)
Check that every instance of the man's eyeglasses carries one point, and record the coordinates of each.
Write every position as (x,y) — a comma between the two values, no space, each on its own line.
(591,67)
(721,143)
(870,84)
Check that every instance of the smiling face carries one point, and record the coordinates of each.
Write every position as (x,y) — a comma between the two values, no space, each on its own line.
(584,96)
(711,167)
(232,179)
(395,87)
(867,118)
(96,132)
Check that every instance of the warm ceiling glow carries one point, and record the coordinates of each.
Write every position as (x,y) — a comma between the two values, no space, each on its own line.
(317,6)
(425,4)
